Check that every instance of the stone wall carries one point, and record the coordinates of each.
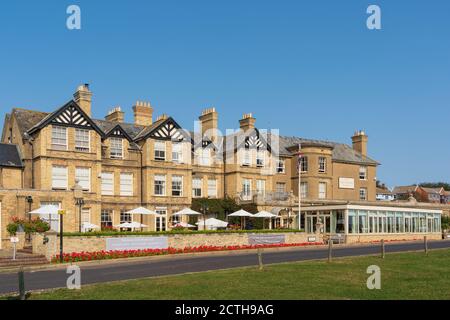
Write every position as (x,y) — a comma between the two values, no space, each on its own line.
(392,237)
(45,244)
(90,244)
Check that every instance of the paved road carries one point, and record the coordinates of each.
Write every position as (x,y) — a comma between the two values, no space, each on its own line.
(47,279)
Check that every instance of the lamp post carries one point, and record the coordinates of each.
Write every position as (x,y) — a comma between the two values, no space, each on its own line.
(79,201)
(30,201)
(204,211)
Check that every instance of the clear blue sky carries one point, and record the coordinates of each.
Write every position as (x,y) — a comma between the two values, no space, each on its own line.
(309,68)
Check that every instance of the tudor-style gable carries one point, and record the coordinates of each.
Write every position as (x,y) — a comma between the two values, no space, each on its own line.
(69,115)
(168,130)
(164,129)
(118,132)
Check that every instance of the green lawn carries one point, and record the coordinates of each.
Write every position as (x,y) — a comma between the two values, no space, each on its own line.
(403,276)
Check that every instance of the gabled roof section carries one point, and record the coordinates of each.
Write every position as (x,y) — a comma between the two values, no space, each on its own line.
(118,132)
(70,115)
(200,141)
(26,119)
(164,129)
(10,156)
(405,189)
(252,140)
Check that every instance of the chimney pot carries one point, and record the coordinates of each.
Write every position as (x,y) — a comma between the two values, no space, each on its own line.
(359,141)
(143,113)
(83,97)
(247,122)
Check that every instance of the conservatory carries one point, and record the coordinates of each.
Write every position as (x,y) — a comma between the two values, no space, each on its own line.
(357,222)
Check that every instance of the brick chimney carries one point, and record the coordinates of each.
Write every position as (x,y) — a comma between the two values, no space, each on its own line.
(359,140)
(143,113)
(247,122)
(209,119)
(83,97)
(116,115)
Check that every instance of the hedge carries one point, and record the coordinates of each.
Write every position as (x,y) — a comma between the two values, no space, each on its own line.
(161,233)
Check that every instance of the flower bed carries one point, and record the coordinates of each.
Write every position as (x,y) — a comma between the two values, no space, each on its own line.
(106,255)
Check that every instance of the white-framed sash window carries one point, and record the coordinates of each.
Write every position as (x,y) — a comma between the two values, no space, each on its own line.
(82,140)
(160,150)
(177,186)
(160,185)
(197,188)
(83,175)
(107,183)
(59,138)
(126,184)
(212,188)
(116,148)
(59,178)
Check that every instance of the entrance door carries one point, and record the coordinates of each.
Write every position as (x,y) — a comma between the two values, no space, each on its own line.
(160,220)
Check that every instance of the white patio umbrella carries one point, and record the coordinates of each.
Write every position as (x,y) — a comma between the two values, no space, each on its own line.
(213,222)
(131,225)
(184,225)
(243,214)
(46,210)
(142,211)
(89,226)
(265,215)
(187,212)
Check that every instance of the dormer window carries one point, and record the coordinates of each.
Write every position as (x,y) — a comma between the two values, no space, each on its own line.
(160,150)
(59,138)
(116,147)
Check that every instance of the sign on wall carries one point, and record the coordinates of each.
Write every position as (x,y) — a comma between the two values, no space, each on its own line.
(137,243)
(346,183)
(266,239)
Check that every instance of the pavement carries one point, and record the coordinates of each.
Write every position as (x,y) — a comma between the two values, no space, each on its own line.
(127,269)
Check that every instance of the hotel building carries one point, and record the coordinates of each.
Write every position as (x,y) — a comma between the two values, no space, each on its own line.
(97,169)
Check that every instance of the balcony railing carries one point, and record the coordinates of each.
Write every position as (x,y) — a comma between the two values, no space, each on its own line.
(263,197)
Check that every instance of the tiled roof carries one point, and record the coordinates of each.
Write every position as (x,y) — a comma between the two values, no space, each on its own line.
(131,129)
(27,119)
(10,156)
(341,152)
(384,191)
(148,129)
(432,190)
(404,189)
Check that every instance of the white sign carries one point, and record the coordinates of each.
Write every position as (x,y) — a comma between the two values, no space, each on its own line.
(346,183)
(14,240)
(137,243)
(254,239)
(312,239)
